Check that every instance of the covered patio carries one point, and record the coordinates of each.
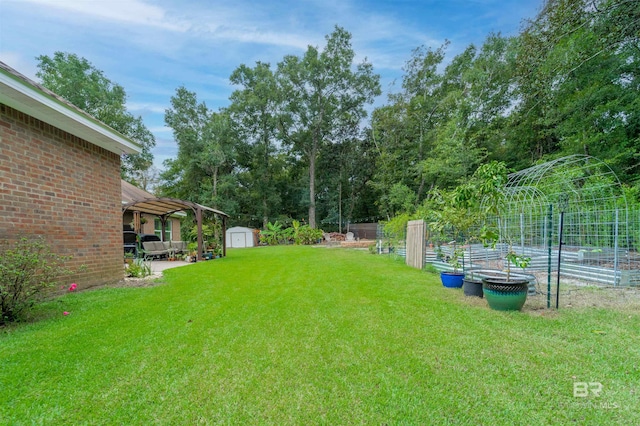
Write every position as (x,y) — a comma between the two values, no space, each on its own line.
(138,202)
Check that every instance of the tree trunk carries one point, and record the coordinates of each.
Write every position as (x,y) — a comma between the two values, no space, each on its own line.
(215,184)
(265,216)
(340,204)
(312,182)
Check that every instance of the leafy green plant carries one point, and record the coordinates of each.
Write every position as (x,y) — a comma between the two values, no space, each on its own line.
(211,234)
(27,268)
(192,247)
(139,268)
(272,235)
(518,260)
(455,259)
(298,234)
(308,235)
(395,229)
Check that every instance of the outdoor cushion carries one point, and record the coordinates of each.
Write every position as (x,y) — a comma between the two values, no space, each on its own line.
(154,248)
(179,246)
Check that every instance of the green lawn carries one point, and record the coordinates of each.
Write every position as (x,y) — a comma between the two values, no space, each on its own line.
(307,335)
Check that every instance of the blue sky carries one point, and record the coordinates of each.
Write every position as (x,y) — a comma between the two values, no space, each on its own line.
(151,47)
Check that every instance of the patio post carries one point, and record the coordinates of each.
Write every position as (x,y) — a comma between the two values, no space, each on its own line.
(199,222)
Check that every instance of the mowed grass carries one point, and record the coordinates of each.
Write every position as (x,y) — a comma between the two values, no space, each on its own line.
(307,335)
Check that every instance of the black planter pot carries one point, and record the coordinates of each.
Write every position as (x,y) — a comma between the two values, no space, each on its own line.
(503,295)
(472,287)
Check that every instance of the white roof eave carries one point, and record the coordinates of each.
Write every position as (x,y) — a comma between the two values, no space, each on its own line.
(20,94)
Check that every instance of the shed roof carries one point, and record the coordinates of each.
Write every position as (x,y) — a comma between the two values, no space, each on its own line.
(240,229)
(29,97)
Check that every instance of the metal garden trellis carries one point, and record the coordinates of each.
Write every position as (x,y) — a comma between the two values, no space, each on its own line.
(595,228)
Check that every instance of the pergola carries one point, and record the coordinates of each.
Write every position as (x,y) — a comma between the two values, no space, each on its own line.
(138,201)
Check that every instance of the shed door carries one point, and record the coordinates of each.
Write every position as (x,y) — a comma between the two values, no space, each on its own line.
(238,239)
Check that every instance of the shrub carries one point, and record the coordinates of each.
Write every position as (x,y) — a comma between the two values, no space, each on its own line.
(308,235)
(139,269)
(27,268)
(275,234)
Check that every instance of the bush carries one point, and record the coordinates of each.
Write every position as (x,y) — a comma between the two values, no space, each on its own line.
(298,234)
(139,269)
(308,235)
(27,268)
(273,234)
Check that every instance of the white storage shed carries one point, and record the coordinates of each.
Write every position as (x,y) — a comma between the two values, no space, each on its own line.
(239,237)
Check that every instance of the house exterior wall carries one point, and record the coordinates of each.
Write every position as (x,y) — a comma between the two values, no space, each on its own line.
(148,227)
(65,189)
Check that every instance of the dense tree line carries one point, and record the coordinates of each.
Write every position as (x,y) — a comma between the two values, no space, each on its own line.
(568,83)
(293,142)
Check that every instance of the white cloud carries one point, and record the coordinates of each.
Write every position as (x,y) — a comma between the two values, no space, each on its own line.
(140,107)
(258,36)
(162,129)
(127,11)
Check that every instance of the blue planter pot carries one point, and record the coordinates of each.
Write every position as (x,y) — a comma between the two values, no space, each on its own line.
(451,280)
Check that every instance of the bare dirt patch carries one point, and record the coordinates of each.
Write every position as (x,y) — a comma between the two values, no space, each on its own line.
(576,296)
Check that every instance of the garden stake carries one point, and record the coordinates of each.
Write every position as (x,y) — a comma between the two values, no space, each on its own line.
(549,237)
(559,258)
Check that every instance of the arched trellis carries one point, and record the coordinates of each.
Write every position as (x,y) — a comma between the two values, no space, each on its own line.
(163,207)
(595,217)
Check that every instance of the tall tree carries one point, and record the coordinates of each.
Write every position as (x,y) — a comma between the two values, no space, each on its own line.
(206,152)
(578,82)
(324,100)
(79,82)
(405,132)
(254,112)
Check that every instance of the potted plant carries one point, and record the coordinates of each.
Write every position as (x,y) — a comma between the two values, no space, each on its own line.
(508,293)
(451,218)
(453,279)
(472,284)
(482,196)
(192,248)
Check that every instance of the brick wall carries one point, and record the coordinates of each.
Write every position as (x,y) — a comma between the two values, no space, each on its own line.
(61,187)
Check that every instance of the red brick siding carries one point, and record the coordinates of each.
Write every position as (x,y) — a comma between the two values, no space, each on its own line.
(65,189)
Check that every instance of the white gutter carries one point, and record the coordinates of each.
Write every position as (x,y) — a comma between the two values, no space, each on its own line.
(24,95)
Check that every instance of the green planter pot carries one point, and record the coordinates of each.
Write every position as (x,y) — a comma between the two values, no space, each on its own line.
(505,295)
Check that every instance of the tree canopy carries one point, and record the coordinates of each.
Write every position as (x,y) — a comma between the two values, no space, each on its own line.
(567,84)
(79,82)
(293,142)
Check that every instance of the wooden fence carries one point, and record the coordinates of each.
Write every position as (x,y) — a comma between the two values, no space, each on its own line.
(416,233)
